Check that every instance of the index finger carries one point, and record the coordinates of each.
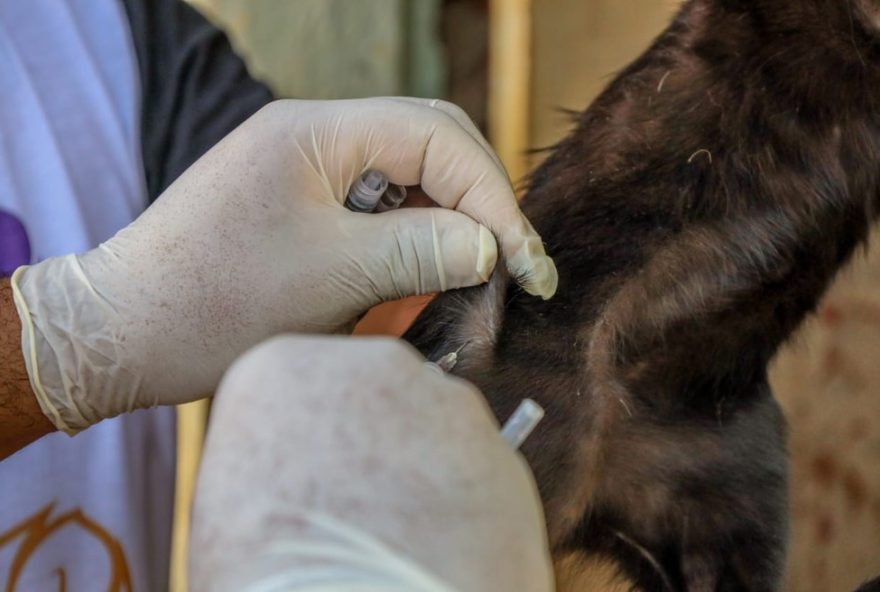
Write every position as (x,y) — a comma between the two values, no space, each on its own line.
(415,143)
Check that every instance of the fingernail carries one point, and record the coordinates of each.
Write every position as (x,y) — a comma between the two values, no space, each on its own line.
(534,270)
(545,287)
(487,253)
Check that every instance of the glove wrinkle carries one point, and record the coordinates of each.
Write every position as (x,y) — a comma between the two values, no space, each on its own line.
(438,256)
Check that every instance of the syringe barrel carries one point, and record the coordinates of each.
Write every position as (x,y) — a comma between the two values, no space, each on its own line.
(522,422)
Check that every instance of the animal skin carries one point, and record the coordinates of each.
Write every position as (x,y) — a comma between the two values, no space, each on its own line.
(696,214)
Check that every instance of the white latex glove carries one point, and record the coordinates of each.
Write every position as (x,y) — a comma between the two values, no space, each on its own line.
(253,240)
(346,464)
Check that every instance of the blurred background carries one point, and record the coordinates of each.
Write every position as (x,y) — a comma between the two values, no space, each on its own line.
(513,65)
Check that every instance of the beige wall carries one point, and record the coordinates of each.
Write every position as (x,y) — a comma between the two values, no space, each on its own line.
(828,382)
(578,46)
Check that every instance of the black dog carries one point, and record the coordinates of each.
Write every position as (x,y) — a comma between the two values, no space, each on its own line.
(696,215)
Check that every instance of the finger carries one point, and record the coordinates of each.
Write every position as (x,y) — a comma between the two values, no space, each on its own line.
(425,250)
(417,144)
(460,117)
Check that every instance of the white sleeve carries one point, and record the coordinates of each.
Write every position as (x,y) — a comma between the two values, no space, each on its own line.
(332,556)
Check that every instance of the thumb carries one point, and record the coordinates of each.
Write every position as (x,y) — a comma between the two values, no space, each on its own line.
(424,250)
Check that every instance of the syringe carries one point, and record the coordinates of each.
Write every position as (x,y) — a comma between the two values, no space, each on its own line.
(371,192)
(520,425)
(447,362)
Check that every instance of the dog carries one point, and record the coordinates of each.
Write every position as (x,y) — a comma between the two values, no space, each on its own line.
(696,214)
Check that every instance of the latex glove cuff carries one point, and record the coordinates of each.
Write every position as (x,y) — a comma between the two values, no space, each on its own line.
(56,305)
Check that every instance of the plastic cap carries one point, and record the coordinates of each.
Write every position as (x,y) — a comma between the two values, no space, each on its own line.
(522,422)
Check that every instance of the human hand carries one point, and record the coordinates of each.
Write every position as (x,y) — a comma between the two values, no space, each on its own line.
(253,240)
(346,463)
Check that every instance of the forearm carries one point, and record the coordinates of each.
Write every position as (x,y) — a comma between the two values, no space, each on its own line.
(21,420)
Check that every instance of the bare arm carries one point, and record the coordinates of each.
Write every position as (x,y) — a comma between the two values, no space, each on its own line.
(21,420)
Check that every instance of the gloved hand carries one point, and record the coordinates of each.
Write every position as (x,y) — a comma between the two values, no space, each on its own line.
(346,464)
(254,240)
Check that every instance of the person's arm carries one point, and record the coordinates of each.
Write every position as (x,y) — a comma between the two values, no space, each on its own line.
(20,414)
(254,240)
(195,90)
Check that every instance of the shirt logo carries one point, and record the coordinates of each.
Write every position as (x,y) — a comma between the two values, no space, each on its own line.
(15,248)
(32,532)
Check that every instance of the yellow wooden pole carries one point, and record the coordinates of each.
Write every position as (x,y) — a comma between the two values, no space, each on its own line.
(510,67)
(191,421)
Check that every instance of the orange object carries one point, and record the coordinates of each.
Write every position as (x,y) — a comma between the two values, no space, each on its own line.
(392,318)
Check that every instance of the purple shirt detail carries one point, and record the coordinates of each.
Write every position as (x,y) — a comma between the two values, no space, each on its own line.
(15,248)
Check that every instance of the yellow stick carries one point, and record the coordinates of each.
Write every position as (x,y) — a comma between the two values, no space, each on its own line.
(510,69)
(191,421)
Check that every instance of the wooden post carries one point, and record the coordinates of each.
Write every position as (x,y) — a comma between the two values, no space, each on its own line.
(510,68)
(191,424)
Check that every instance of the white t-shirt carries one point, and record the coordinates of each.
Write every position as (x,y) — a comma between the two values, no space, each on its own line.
(91,512)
